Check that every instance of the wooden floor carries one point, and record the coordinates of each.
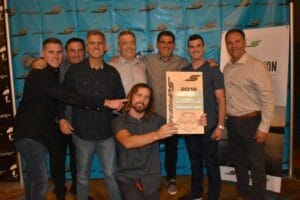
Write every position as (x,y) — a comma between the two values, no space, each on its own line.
(290,190)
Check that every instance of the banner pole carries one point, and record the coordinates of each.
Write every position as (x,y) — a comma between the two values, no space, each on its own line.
(291,163)
(11,77)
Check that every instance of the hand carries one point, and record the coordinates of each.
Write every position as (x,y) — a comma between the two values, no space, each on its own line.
(203,120)
(217,134)
(116,104)
(166,130)
(260,136)
(65,127)
(212,63)
(115,59)
(39,64)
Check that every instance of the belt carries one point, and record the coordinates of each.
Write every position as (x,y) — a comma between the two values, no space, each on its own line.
(248,115)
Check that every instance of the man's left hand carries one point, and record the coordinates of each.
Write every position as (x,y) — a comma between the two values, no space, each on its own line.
(217,134)
(212,63)
(260,136)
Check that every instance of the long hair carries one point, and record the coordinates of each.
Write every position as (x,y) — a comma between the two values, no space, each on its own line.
(150,108)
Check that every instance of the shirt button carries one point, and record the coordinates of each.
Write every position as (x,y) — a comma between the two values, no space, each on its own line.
(87,107)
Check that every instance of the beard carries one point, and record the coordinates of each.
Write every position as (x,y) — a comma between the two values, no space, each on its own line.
(139,107)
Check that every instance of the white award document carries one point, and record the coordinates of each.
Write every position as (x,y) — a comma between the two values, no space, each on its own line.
(185,101)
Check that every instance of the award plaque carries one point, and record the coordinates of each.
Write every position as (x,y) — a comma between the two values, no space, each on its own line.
(185,101)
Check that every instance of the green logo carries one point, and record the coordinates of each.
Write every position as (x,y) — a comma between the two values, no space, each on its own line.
(254,43)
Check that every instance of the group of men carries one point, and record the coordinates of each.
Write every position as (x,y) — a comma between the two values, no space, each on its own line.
(127,143)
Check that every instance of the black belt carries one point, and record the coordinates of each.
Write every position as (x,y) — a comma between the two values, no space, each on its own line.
(248,115)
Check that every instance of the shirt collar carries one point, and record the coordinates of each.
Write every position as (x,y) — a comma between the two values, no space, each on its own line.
(242,60)
(170,58)
(123,61)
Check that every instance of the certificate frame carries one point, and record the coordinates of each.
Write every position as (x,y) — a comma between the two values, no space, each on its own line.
(184,92)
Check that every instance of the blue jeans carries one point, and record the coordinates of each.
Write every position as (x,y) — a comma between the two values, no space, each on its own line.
(35,177)
(202,149)
(106,153)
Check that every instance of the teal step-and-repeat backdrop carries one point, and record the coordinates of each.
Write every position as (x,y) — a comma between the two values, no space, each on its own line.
(32,21)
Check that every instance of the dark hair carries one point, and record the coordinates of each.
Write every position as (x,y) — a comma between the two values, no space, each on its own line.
(235,30)
(150,108)
(126,32)
(51,40)
(95,32)
(166,33)
(195,37)
(74,39)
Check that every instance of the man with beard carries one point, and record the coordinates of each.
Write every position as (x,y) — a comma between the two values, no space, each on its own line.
(138,132)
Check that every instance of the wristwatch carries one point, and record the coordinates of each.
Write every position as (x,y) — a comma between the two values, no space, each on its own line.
(221,127)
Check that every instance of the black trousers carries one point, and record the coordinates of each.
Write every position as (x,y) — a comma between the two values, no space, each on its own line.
(202,151)
(171,156)
(247,154)
(58,152)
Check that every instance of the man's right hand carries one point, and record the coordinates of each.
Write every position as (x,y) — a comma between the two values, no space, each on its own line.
(39,64)
(115,104)
(65,127)
(166,130)
(115,59)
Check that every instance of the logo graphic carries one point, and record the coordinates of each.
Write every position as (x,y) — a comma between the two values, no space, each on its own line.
(101,9)
(210,25)
(114,29)
(67,31)
(54,11)
(243,3)
(254,23)
(193,77)
(160,27)
(254,43)
(196,5)
(21,33)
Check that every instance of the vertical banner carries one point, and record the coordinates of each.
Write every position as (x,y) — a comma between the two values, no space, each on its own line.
(271,45)
(8,154)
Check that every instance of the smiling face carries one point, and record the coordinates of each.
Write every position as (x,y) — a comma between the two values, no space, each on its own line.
(96,46)
(165,46)
(53,54)
(196,49)
(127,46)
(236,45)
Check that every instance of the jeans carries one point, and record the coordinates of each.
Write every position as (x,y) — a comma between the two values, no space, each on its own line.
(202,149)
(58,152)
(106,153)
(246,154)
(35,177)
(171,156)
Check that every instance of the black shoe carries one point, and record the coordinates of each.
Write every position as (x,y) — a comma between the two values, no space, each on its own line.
(90,198)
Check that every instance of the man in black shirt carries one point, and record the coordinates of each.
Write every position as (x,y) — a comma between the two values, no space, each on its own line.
(92,129)
(34,122)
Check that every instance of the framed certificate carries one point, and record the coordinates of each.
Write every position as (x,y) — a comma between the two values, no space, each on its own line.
(185,101)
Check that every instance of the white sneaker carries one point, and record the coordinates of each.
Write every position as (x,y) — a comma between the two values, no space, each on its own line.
(172,189)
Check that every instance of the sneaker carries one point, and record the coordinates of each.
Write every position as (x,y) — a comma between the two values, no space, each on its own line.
(172,189)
